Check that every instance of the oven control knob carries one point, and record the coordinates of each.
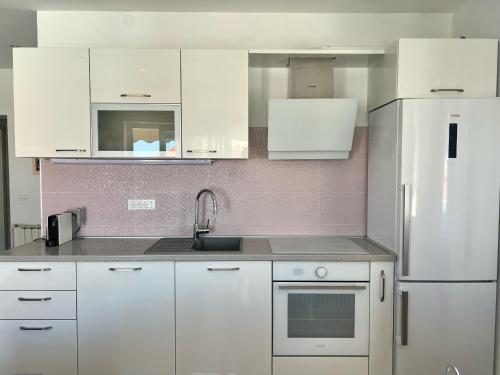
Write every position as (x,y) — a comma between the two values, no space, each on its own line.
(321,272)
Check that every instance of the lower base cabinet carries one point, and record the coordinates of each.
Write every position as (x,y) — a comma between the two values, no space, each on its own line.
(126,321)
(38,347)
(223,312)
(320,366)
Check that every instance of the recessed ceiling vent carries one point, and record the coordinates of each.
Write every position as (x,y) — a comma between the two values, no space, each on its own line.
(311,124)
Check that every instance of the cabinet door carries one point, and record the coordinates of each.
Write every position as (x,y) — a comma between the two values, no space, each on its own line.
(135,75)
(320,365)
(51,102)
(381,317)
(447,68)
(126,318)
(215,104)
(224,318)
(45,347)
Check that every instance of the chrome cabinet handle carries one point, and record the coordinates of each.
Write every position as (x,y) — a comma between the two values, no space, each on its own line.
(452,368)
(43,299)
(71,150)
(405,253)
(125,269)
(321,287)
(223,269)
(203,151)
(404,318)
(382,286)
(46,269)
(135,95)
(46,328)
(447,90)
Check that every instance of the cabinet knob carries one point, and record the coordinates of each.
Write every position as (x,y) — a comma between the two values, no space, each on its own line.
(321,272)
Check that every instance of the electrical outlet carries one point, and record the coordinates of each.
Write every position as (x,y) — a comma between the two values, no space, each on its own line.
(141,204)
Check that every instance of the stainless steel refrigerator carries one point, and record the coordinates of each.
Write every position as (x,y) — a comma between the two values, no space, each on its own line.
(433,198)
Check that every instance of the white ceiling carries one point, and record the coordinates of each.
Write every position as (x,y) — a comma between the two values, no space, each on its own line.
(294,6)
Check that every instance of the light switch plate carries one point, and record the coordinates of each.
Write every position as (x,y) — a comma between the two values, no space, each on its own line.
(141,204)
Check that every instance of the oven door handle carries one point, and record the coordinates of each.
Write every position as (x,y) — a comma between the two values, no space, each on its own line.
(321,287)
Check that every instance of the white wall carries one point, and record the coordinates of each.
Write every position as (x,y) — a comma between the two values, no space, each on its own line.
(244,30)
(478,19)
(233,30)
(24,185)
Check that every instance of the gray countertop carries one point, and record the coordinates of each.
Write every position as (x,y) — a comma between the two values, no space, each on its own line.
(132,249)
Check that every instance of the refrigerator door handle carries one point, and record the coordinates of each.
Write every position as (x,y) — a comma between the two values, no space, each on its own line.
(382,286)
(404,318)
(405,253)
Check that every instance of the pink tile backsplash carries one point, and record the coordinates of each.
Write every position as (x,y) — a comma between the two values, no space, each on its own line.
(255,196)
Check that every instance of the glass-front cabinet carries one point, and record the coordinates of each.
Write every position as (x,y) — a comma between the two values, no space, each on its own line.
(136,131)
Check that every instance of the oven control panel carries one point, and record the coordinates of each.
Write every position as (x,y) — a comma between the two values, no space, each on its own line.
(321,271)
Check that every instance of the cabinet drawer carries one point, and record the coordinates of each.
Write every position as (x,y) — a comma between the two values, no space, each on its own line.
(320,365)
(45,347)
(37,276)
(37,305)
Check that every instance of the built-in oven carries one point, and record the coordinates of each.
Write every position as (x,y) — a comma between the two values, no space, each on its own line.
(320,309)
(136,130)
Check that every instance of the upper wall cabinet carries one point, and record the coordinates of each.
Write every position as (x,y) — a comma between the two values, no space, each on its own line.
(51,102)
(434,68)
(135,76)
(215,104)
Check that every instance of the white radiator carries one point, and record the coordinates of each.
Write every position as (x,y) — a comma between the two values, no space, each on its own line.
(24,233)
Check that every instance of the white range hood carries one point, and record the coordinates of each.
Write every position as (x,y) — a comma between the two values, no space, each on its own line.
(311,128)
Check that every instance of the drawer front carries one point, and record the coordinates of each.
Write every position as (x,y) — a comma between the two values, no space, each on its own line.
(37,276)
(320,365)
(37,305)
(38,349)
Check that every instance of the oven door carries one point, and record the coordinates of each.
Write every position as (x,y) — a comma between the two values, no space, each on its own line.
(321,319)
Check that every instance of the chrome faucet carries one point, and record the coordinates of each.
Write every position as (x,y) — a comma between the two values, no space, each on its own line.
(196,228)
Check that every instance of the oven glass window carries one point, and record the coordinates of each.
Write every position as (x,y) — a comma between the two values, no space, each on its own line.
(321,315)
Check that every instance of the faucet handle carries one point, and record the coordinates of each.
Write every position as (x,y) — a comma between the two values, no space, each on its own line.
(208,224)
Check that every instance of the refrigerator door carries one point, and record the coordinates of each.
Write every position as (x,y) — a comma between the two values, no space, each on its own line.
(449,192)
(445,324)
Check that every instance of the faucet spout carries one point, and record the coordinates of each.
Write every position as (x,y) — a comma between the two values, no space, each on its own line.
(197,230)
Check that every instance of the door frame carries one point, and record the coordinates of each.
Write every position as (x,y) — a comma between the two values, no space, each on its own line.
(5,179)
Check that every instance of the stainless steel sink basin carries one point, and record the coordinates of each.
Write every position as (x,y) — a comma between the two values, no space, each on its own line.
(176,245)
(217,244)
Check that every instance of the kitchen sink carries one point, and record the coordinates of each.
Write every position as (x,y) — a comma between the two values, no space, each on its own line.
(176,245)
(217,244)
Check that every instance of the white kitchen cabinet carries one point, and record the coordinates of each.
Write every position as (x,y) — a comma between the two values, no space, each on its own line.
(224,318)
(434,68)
(126,322)
(51,102)
(35,347)
(381,317)
(320,365)
(135,76)
(214,104)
